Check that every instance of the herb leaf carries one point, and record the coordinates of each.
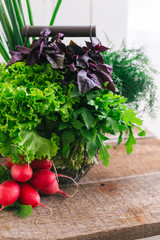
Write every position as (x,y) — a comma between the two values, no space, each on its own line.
(129,144)
(23,211)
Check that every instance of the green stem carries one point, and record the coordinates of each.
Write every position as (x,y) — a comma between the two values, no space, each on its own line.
(29,12)
(14,21)
(21,11)
(7,29)
(4,52)
(18,13)
(55,12)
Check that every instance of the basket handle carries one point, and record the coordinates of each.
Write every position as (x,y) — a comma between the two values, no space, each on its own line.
(68,31)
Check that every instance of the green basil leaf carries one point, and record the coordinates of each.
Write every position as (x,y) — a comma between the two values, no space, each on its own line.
(129,144)
(68,136)
(88,119)
(142,133)
(104,155)
(65,150)
(23,211)
(76,123)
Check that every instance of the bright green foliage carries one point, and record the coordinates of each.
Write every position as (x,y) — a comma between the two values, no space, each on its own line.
(40,116)
(23,211)
(19,209)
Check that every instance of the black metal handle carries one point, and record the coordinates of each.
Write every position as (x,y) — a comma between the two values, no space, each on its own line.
(68,31)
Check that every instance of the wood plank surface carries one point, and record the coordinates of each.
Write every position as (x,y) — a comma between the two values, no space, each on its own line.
(121,202)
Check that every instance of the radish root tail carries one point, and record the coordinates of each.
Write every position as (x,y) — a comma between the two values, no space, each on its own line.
(51,212)
(1,208)
(61,175)
(55,171)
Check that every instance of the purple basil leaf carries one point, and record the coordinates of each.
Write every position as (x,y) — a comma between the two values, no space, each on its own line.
(14,53)
(106,78)
(96,44)
(92,67)
(95,41)
(33,56)
(75,49)
(69,56)
(97,79)
(89,45)
(50,51)
(17,57)
(82,61)
(105,68)
(85,83)
(35,43)
(23,49)
(96,56)
(101,48)
(55,60)
(57,37)
(45,32)
(72,67)
(41,49)
(61,46)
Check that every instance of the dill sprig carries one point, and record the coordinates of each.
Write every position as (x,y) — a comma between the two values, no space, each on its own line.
(134,77)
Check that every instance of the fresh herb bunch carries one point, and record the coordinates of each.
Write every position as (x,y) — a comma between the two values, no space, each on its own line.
(85,64)
(58,102)
(41,115)
(134,76)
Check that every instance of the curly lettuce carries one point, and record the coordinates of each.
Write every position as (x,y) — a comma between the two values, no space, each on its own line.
(40,116)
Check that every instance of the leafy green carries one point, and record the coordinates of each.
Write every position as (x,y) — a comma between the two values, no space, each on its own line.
(42,117)
(129,144)
(4,174)
(104,155)
(88,119)
(20,210)
(35,145)
(68,136)
(142,133)
(23,211)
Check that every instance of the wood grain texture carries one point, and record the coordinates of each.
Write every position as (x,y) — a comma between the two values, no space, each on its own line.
(145,158)
(121,202)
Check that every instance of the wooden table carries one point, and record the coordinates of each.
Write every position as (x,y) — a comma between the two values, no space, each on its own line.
(121,202)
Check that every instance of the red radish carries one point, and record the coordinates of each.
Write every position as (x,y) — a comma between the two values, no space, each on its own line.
(21,172)
(9,193)
(41,164)
(9,164)
(29,195)
(54,188)
(43,178)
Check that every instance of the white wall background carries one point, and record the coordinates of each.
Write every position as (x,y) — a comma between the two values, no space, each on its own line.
(144,30)
(109,16)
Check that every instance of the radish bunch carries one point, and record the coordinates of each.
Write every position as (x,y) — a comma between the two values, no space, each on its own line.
(28,180)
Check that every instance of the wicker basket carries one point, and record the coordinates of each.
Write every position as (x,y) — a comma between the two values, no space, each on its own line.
(76,165)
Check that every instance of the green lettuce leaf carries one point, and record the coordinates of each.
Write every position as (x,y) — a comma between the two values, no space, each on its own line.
(35,146)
